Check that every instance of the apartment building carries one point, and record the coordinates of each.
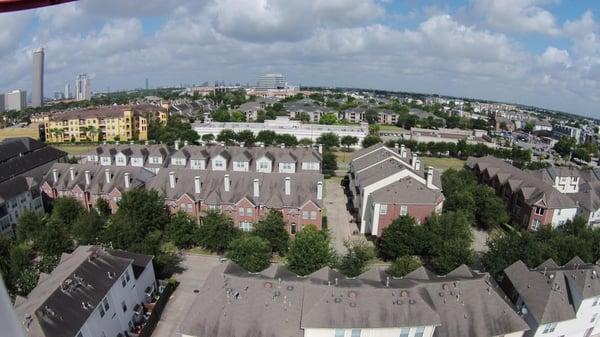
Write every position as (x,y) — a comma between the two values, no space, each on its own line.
(450,136)
(353,115)
(116,122)
(532,203)
(386,183)
(92,292)
(388,117)
(245,196)
(23,162)
(563,130)
(556,300)
(277,302)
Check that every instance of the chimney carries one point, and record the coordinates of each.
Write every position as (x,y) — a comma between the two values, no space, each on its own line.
(146,143)
(131,142)
(104,142)
(87,177)
(117,142)
(226,182)
(242,144)
(197,185)
(256,189)
(321,148)
(172,179)
(417,164)
(282,145)
(72,173)
(430,177)
(320,190)
(222,143)
(413,160)
(127,181)
(288,185)
(396,146)
(262,144)
(55,175)
(107,175)
(402,151)
(186,143)
(176,145)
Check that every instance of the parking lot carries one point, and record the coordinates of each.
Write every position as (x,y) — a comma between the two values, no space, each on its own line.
(195,269)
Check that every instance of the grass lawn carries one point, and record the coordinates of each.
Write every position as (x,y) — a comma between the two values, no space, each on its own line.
(443,163)
(385,127)
(75,149)
(343,159)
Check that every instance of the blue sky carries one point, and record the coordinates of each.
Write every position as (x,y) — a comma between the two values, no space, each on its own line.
(538,52)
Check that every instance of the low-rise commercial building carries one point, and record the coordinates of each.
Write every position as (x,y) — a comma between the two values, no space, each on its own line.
(556,300)
(277,302)
(103,123)
(283,125)
(450,136)
(386,183)
(532,203)
(92,292)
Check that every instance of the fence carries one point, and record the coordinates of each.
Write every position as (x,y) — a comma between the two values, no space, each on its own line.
(158,310)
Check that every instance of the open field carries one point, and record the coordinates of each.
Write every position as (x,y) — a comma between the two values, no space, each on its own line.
(75,149)
(443,163)
(385,127)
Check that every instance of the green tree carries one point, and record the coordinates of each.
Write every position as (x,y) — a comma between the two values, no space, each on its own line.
(329,140)
(141,212)
(565,145)
(286,139)
(246,137)
(238,116)
(208,138)
(103,207)
(65,211)
(371,140)
(182,230)
(401,238)
(490,209)
(29,226)
(404,265)
(305,142)
(227,136)
(53,239)
(372,116)
(251,252)
(5,246)
(266,137)
(88,227)
(272,229)
(329,163)
(355,261)
(348,141)
(309,251)
(329,119)
(216,231)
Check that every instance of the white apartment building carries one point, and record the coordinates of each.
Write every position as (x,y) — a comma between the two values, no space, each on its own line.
(283,125)
(17,195)
(15,100)
(554,300)
(93,292)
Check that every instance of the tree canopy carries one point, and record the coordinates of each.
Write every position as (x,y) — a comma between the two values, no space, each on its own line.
(216,231)
(251,252)
(272,229)
(310,251)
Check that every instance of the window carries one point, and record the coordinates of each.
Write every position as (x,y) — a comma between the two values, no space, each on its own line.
(420,331)
(106,306)
(241,211)
(403,210)
(355,333)
(596,301)
(549,327)
(219,163)
(246,226)
(293,228)
(536,224)
(249,211)
(340,333)
(127,275)
(101,311)
(594,318)
(404,332)
(124,306)
(383,209)
(313,215)
(539,211)
(305,215)
(588,332)
(123,281)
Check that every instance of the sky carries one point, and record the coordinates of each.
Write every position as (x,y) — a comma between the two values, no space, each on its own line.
(544,53)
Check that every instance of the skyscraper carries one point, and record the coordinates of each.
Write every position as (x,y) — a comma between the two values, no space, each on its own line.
(37,95)
(82,87)
(67,90)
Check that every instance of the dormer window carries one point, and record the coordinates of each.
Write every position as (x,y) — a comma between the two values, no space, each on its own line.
(219,164)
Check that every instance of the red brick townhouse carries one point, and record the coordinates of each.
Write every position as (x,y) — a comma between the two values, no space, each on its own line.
(531,201)
(245,196)
(386,183)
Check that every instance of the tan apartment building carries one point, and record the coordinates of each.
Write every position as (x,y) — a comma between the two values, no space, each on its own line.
(117,122)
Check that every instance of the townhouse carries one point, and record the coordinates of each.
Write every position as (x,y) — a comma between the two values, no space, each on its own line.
(92,292)
(385,183)
(23,162)
(555,300)
(114,122)
(532,203)
(210,157)
(277,302)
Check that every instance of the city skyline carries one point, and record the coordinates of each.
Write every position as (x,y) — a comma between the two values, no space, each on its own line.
(541,53)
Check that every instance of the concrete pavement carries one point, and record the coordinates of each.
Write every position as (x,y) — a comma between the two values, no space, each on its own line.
(339,220)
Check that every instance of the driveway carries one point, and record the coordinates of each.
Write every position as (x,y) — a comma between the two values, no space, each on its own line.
(195,271)
(338,217)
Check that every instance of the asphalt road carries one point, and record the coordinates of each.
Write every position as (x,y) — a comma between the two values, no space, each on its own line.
(339,220)
(195,269)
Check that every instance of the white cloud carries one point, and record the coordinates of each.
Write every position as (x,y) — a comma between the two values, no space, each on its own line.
(521,16)
(554,56)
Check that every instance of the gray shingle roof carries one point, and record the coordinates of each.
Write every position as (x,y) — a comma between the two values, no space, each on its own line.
(233,302)
(20,155)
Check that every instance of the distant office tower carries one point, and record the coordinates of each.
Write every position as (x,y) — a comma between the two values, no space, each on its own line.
(67,90)
(271,81)
(16,100)
(2,108)
(82,87)
(37,95)
(146,83)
